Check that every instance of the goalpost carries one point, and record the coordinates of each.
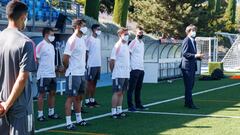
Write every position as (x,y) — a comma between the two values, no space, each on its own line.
(231,60)
(209,47)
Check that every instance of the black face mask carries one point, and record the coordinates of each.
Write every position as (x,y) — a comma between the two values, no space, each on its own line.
(140,36)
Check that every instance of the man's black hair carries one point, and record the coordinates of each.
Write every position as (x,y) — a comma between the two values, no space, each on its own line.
(46,30)
(95,26)
(15,9)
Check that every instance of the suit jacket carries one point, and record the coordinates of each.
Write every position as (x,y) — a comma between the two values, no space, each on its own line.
(188,62)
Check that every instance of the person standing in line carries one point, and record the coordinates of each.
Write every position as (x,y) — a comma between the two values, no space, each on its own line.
(120,68)
(93,65)
(189,64)
(17,60)
(46,75)
(74,60)
(136,48)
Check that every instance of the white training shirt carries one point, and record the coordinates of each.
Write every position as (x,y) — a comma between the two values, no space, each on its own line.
(46,58)
(121,55)
(136,48)
(94,52)
(76,49)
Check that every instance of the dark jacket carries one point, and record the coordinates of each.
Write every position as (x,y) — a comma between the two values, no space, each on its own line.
(188,62)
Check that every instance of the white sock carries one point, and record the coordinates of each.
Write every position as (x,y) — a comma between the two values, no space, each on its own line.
(40,114)
(78,117)
(92,100)
(86,101)
(114,111)
(68,120)
(119,109)
(50,111)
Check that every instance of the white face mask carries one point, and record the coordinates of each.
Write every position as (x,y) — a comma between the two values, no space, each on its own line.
(98,32)
(193,34)
(25,23)
(51,38)
(125,38)
(84,30)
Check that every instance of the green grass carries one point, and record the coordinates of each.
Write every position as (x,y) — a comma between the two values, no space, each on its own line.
(220,102)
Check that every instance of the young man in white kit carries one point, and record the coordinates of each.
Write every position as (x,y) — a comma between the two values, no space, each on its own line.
(120,67)
(46,75)
(74,61)
(93,65)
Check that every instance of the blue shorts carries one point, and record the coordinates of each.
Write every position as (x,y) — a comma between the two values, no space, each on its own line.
(75,85)
(120,84)
(93,73)
(47,84)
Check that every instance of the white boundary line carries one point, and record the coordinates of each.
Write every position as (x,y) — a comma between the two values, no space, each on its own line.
(188,114)
(147,105)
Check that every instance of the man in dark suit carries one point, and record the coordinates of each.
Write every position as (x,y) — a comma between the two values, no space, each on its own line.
(189,64)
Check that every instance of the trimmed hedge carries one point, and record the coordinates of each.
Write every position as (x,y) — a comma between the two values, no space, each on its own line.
(92,8)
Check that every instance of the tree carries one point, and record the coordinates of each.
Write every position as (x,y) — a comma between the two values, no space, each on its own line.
(230,13)
(120,12)
(91,8)
(170,17)
(217,6)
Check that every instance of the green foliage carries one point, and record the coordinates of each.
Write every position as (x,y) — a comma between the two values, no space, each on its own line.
(170,17)
(231,11)
(57,3)
(230,16)
(92,8)
(120,12)
(82,2)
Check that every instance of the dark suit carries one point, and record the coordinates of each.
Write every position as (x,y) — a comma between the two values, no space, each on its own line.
(189,67)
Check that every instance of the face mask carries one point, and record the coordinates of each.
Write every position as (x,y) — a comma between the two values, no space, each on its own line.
(84,30)
(51,38)
(125,38)
(98,32)
(140,36)
(193,34)
(25,23)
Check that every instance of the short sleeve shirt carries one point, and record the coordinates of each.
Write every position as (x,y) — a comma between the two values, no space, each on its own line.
(46,60)
(121,55)
(137,55)
(16,55)
(76,49)
(94,52)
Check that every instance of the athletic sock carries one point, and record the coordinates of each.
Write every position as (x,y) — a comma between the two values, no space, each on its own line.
(78,117)
(50,111)
(86,101)
(119,109)
(114,111)
(68,120)
(40,114)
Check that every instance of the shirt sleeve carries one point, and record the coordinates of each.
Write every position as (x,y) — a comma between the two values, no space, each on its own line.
(38,51)
(28,63)
(132,46)
(113,54)
(69,48)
